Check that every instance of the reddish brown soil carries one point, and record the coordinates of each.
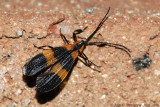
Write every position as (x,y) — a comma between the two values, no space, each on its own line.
(24,24)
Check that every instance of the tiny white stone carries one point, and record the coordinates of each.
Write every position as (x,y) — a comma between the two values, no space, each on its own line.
(142,105)
(89,10)
(118,85)
(92,67)
(54,41)
(73,80)
(136,91)
(18,92)
(92,71)
(105,75)
(20,33)
(157,72)
(14,24)
(79,91)
(77,75)
(8,5)
(156,92)
(130,11)
(123,37)
(39,4)
(103,97)
(115,18)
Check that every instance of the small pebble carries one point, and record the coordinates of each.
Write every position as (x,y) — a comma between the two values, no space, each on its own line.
(157,72)
(89,10)
(103,97)
(20,33)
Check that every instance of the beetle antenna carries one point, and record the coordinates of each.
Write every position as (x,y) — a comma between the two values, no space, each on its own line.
(99,26)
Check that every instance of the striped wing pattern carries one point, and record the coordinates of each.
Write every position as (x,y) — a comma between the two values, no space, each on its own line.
(50,80)
(43,60)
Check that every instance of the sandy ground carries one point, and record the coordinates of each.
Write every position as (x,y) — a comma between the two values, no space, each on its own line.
(132,23)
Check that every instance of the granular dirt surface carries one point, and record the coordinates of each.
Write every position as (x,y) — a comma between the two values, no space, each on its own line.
(132,23)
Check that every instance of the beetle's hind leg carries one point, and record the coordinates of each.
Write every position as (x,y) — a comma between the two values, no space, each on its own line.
(88,65)
(87,62)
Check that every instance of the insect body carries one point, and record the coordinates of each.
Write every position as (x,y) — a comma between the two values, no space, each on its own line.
(55,63)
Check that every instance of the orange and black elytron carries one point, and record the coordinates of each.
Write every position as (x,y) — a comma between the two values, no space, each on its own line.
(54,64)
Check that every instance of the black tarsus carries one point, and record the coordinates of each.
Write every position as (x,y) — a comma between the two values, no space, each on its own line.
(63,37)
(99,26)
(88,63)
(78,31)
